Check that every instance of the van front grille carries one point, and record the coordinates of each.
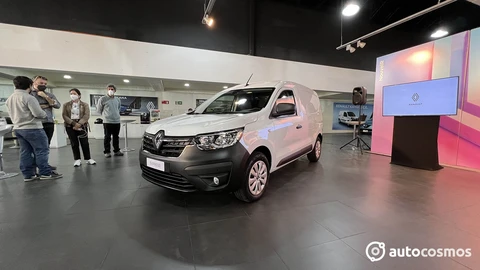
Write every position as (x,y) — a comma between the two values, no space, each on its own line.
(170,146)
(167,180)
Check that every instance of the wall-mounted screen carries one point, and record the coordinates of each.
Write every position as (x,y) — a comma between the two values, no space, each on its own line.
(434,97)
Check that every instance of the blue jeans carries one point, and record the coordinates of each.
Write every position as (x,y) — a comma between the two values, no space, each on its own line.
(34,152)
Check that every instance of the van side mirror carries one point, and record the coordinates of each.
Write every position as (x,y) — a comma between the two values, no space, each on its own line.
(282,109)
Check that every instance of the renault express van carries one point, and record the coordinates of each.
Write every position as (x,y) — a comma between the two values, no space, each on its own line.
(234,140)
(346,117)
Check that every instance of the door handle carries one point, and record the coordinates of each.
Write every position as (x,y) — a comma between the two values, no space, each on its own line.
(299,126)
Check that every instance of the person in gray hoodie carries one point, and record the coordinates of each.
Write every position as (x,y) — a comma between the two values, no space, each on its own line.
(109,107)
(27,116)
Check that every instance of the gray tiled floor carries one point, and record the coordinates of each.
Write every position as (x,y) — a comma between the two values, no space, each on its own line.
(314,216)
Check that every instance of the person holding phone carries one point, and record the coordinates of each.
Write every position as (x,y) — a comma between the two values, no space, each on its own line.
(76,114)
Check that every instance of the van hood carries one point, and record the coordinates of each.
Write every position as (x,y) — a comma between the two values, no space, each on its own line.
(194,124)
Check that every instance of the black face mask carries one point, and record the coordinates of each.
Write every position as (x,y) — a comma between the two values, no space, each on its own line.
(41,88)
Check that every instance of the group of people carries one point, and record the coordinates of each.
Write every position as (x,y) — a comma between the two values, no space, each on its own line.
(31,109)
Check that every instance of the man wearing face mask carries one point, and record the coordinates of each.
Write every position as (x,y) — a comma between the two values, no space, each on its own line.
(109,107)
(27,116)
(48,102)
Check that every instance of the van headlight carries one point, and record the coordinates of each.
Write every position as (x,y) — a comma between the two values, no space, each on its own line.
(218,140)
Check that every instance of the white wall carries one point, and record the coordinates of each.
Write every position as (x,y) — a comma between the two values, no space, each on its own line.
(28,47)
(5,92)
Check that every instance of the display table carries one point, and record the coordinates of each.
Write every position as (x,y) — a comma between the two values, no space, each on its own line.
(4,130)
(135,131)
(125,124)
(59,138)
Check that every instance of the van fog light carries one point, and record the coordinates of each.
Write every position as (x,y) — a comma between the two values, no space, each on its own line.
(216,181)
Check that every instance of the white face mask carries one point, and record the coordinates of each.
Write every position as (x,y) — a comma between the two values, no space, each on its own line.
(74,97)
(111,92)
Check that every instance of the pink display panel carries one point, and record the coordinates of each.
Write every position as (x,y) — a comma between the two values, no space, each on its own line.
(459,136)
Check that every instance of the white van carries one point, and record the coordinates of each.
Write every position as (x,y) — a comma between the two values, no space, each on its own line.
(234,140)
(347,117)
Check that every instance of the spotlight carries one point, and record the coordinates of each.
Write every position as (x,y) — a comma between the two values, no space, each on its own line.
(350,10)
(68,77)
(361,44)
(439,33)
(208,21)
(350,48)
(187,85)
(126,81)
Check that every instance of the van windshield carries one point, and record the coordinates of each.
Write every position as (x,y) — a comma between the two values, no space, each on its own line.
(240,101)
(351,114)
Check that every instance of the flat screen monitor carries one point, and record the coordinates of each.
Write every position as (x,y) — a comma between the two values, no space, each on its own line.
(425,98)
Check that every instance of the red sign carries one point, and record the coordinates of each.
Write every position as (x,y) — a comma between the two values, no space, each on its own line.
(165,102)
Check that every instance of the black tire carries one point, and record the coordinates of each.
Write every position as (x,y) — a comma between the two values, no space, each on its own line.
(312,156)
(244,193)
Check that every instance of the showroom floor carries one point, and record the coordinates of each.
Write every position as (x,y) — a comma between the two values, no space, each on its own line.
(314,216)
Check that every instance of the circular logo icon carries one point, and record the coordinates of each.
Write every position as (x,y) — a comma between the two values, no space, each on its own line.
(375,251)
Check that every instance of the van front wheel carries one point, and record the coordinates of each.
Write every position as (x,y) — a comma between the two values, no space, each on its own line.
(314,156)
(255,179)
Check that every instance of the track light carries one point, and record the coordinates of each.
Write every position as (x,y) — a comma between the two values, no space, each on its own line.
(350,48)
(361,44)
(208,21)
(207,11)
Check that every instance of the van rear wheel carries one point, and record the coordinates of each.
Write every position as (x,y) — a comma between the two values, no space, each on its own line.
(314,156)
(255,179)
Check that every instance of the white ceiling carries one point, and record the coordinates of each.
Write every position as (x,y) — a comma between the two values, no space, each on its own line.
(56,79)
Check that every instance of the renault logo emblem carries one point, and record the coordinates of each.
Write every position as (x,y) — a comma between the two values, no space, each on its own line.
(159,138)
(415,97)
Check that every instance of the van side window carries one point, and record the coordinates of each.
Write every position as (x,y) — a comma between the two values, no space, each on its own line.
(286,97)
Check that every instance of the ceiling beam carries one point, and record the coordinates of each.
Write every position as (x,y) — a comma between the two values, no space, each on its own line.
(411,17)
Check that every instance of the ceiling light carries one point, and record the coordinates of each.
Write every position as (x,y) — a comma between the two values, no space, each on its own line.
(439,33)
(187,85)
(208,20)
(126,81)
(350,48)
(68,77)
(361,44)
(225,87)
(350,10)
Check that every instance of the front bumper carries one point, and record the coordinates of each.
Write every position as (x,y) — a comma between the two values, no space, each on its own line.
(365,129)
(194,170)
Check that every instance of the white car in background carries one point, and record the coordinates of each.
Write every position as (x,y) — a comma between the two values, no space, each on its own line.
(234,140)
(347,117)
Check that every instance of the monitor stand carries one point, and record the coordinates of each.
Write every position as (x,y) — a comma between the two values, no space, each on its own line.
(415,142)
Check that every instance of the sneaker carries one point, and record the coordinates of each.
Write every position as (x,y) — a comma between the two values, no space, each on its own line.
(108,155)
(53,168)
(77,163)
(33,178)
(91,162)
(118,154)
(53,176)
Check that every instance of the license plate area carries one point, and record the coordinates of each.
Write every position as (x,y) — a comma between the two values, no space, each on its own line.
(156,164)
